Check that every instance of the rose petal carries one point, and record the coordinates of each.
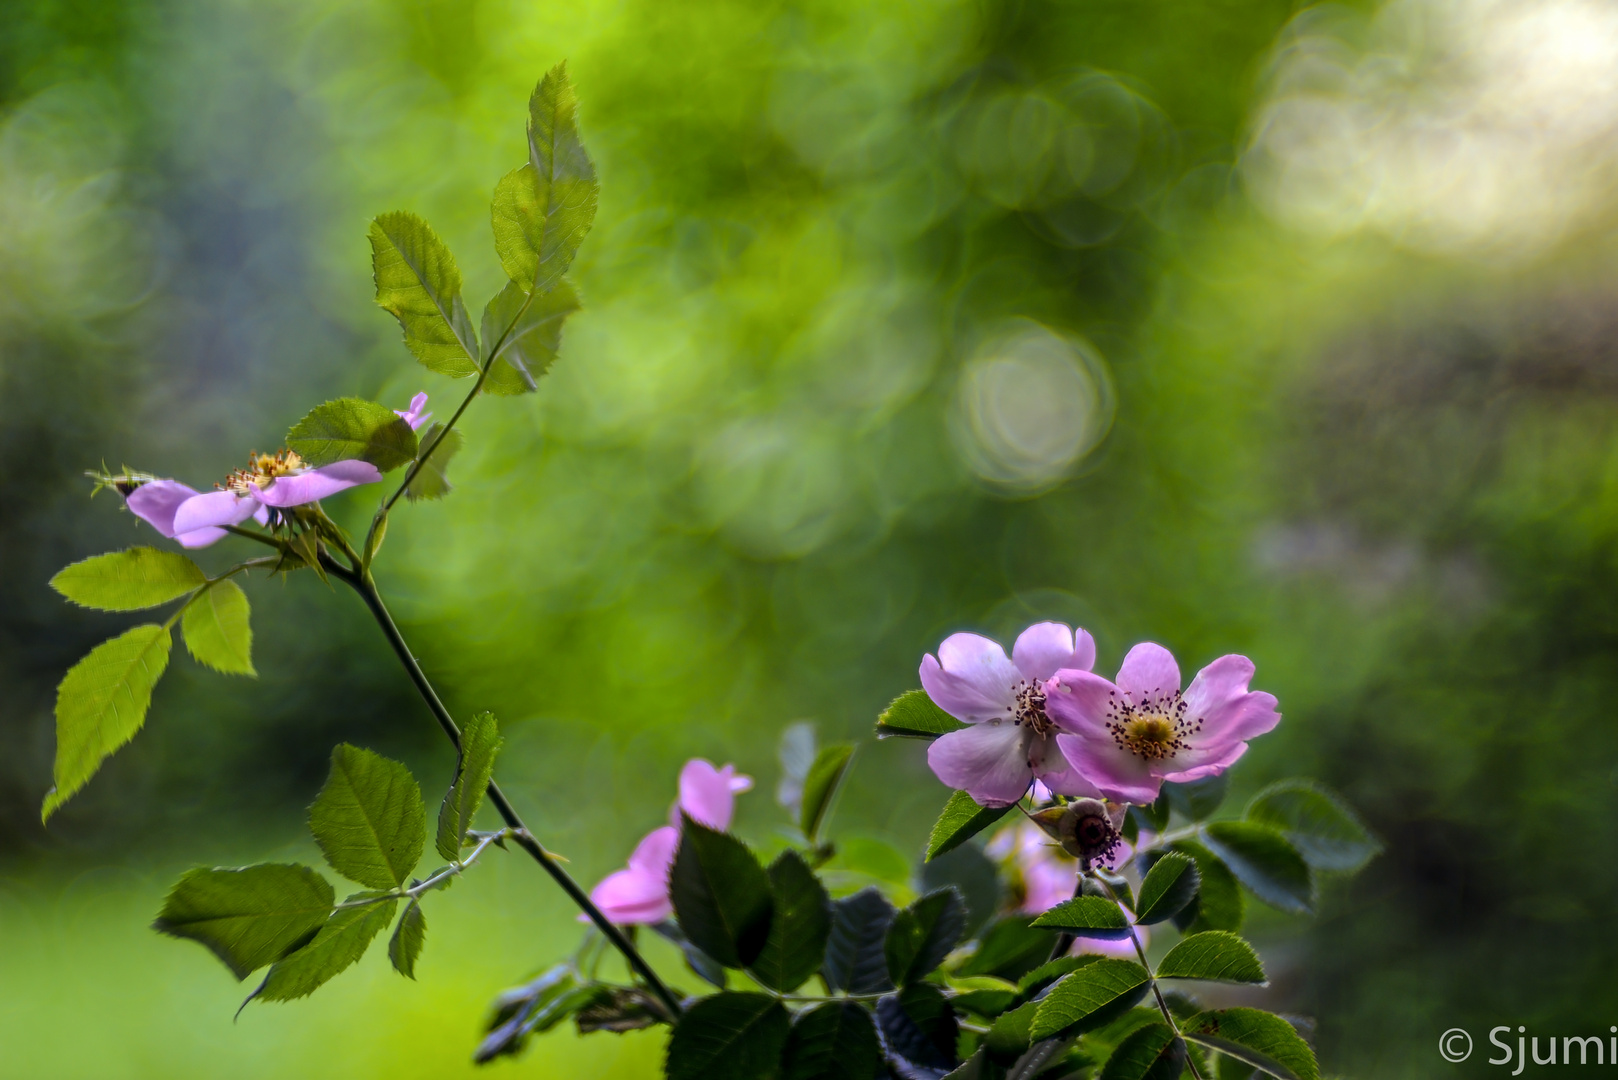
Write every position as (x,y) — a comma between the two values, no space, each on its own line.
(1212,764)
(1056,773)
(156,502)
(971,679)
(630,896)
(1248,717)
(1047,881)
(216,509)
(655,853)
(1148,671)
(201,538)
(1119,774)
(318,483)
(739,782)
(706,795)
(1080,702)
(1045,647)
(987,761)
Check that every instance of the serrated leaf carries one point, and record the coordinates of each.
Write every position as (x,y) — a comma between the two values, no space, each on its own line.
(912,715)
(1086,916)
(1260,1039)
(821,784)
(1324,829)
(1265,862)
(353,429)
(834,1041)
(417,280)
(141,577)
(341,941)
(701,964)
(962,818)
(1152,1052)
(101,703)
(432,479)
(368,818)
(524,335)
(728,1036)
(1198,799)
(247,916)
(408,937)
(919,1027)
(1012,1033)
(218,633)
(1215,955)
(1051,970)
(1219,903)
(1090,997)
(480,743)
(986,1001)
(799,927)
(543,210)
(720,894)
(1168,887)
(922,934)
(855,961)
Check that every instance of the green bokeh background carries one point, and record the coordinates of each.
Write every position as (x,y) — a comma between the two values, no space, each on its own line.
(750,493)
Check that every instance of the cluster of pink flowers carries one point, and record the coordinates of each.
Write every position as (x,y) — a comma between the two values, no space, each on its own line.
(1044,715)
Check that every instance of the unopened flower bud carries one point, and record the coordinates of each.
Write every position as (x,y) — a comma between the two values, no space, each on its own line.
(1087,831)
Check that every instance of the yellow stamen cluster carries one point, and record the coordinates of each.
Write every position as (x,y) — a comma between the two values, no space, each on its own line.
(261,470)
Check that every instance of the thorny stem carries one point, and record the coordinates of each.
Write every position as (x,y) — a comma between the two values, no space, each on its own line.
(1157,993)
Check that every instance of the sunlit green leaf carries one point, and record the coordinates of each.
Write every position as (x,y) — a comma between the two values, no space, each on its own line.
(418,281)
(1168,887)
(341,941)
(720,894)
(1012,1032)
(1090,997)
(1326,832)
(834,1041)
(101,703)
(912,715)
(1051,970)
(480,742)
(1215,955)
(432,479)
(368,818)
(961,819)
(141,577)
(353,429)
(408,937)
(1260,1039)
(524,335)
(1264,861)
(821,784)
(1151,1052)
(799,926)
(217,630)
(248,916)
(1086,916)
(728,1036)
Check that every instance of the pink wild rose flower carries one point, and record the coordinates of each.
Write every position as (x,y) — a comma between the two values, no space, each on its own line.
(1130,736)
(639,894)
(1011,740)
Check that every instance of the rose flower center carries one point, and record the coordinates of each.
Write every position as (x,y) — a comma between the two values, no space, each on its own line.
(1154,729)
(1029,711)
(262,469)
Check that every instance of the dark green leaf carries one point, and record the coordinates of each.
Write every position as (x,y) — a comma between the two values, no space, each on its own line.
(1198,799)
(1087,916)
(353,429)
(798,929)
(721,895)
(1010,948)
(248,916)
(1153,818)
(408,936)
(524,335)
(342,940)
(923,934)
(1219,903)
(821,784)
(977,877)
(912,715)
(1260,1039)
(1152,1052)
(834,1041)
(1090,997)
(1264,861)
(1168,887)
(1326,832)
(701,964)
(619,1009)
(432,479)
(961,820)
(729,1036)
(368,819)
(418,281)
(480,742)
(1109,886)
(1051,970)
(855,961)
(1216,955)
(919,1026)
(101,703)
(141,577)
(987,1001)
(1011,1033)
(217,631)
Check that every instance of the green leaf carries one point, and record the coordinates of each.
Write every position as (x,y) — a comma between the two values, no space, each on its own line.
(408,937)
(922,934)
(1152,1052)
(912,715)
(1168,887)
(1051,970)
(1087,916)
(141,577)
(342,940)
(855,960)
(720,894)
(1260,1039)
(350,429)
(1198,799)
(480,742)
(798,929)
(1219,903)
(543,210)
(248,916)
(417,280)
(1264,861)
(1090,997)
(101,703)
(987,1001)
(728,1036)
(432,479)
(217,631)
(1215,955)
(962,819)
(821,784)
(1010,948)
(919,1026)
(1324,829)
(834,1041)
(1012,1032)
(524,335)
(368,819)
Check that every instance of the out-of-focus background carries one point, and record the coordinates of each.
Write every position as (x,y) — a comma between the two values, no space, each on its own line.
(1237,326)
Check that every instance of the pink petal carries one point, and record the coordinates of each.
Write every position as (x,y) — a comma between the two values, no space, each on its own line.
(155,503)
(706,795)
(1149,670)
(262,514)
(414,416)
(201,538)
(215,510)
(971,680)
(987,761)
(1247,717)
(1120,774)
(1181,771)
(655,853)
(318,483)
(1221,681)
(1044,647)
(1080,702)
(630,896)
(1056,773)
(739,782)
